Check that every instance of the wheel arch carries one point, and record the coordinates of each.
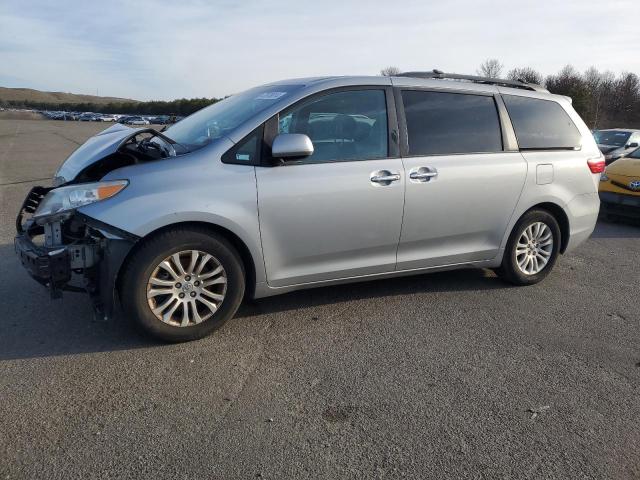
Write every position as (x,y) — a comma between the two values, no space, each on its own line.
(561,217)
(248,260)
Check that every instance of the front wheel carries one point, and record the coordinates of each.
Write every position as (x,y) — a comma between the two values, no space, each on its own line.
(532,249)
(183,284)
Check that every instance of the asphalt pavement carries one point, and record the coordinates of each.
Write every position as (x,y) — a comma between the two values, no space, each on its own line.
(448,375)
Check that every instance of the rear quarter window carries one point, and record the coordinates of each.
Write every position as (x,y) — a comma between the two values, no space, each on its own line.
(541,124)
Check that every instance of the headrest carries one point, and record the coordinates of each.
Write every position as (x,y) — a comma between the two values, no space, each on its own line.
(344,126)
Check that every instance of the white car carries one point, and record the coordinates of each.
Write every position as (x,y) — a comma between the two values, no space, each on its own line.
(106,118)
(137,121)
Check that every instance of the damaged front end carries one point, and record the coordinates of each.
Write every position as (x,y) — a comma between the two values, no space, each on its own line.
(70,251)
(66,250)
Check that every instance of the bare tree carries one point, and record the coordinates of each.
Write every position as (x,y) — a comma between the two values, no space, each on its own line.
(600,87)
(627,95)
(390,71)
(491,68)
(526,74)
(571,83)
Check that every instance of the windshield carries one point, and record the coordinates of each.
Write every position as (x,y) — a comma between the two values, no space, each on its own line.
(217,120)
(611,137)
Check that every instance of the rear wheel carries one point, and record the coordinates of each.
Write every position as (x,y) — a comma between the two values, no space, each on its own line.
(532,249)
(183,284)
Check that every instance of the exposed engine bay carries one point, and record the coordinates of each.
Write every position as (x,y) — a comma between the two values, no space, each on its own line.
(143,145)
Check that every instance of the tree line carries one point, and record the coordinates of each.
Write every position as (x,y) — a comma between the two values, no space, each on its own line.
(602,98)
(183,106)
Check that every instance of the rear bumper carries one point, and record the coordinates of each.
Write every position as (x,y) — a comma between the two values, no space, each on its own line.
(583,215)
(622,205)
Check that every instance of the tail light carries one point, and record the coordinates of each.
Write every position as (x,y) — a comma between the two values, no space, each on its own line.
(596,165)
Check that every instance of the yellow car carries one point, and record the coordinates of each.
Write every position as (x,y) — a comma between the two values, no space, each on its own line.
(620,187)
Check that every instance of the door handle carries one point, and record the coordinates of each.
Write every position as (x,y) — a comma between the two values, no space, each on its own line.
(384,177)
(423,174)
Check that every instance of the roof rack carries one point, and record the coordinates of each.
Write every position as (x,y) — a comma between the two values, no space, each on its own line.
(440,75)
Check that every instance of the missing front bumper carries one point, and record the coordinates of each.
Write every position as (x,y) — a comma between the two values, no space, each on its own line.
(88,260)
(50,267)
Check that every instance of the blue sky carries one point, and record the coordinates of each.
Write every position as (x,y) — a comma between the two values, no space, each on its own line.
(147,49)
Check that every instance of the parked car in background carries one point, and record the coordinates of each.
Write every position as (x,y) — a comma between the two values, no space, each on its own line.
(173,118)
(620,187)
(87,117)
(615,142)
(55,115)
(159,120)
(137,121)
(106,118)
(354,178)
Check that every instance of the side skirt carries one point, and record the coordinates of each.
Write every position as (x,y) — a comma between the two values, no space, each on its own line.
(264,290)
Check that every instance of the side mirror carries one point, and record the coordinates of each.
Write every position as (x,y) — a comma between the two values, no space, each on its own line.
(291,146)
(633,145)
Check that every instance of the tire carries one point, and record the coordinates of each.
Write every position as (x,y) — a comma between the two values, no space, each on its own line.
(146,284)
(511,269)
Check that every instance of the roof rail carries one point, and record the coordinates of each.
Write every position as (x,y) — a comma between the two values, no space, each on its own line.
(440,75)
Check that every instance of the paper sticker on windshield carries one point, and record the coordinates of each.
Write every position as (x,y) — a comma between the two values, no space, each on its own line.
(270,95)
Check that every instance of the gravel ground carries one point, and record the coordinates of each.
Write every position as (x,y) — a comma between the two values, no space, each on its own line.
(449,375)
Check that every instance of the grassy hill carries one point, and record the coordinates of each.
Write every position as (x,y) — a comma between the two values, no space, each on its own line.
(22,98)
(30,95)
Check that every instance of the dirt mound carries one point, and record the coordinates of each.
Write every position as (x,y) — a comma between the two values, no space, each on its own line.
(31,95)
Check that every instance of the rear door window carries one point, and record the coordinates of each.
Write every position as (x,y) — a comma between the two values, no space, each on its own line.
(541,124)
(448,123)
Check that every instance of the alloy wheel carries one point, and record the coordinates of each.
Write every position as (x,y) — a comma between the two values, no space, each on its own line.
(186,288)
(534,248)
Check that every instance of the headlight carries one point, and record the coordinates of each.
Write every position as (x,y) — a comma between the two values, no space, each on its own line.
(603,177)
(74,196)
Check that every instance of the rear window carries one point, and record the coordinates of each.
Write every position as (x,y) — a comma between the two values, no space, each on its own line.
(440,123)
(611,137)
(541,124)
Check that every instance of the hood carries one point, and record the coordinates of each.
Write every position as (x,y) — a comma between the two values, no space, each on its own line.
(625,167)
(93,150)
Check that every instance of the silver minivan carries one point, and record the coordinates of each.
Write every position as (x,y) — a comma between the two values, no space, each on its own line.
(310,182)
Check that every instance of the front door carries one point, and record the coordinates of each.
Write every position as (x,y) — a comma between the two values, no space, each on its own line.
(337,213)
